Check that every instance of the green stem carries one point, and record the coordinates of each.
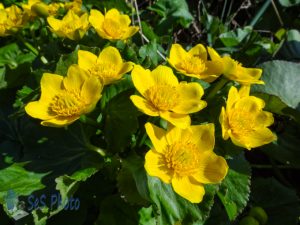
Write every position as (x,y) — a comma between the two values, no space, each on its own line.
(96,149)
(28,45)
(221,83)
(260,13)
(86,120)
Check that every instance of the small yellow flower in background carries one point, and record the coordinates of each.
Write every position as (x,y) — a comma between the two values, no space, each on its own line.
(244,121)
(112,25)
(185,158)
(194,63)
(71,26)
(64,99)
(38,8)
(233,70)
(74,5)
(11,19)
(164,96)
(108,67)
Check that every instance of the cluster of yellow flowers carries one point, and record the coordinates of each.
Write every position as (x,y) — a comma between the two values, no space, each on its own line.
(183,154)
(13,18)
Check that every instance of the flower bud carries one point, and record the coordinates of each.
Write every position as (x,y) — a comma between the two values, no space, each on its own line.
(259,214)
(248,220)
(41,9)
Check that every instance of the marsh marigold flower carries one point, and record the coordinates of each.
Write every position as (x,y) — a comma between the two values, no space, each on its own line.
(233,70)
(112,25)
(244,121)
(194,63)
(38,8)
(108,66)
(185,158)
(71,26)
(11,19)
(164,96)
(64,99)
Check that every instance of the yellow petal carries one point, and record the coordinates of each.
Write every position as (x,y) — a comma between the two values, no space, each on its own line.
(130,32)
(124,19)
(174,134)
(75,78)
(177,53)
(250,104)
(86,60)
(141,79)
(50,85)
(163,75)
(204,136)
(214,68)
(39,110)
(112,14)
(233,97)
(188,189)
(96,19)
(258,138)
(212,168)
(155,166)
(144,105)
(264,119)
(179,120)
(244,91)
(224,124)
(59,121)
(198,51)
(213,54)
(189,102)
(157,136)
(55,24)
(91,90)
(126,67)
(110,56)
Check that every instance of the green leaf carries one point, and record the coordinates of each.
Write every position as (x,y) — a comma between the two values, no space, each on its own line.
(132,181)
(12,56)
(172,10)
(171,208)
(290,49)
(120,121)
(234,38)
(114,211)
(147,216)
(27,181)
(65,61)
(281,204)
(288,3)
(3,83)
(286,148)
(235,188)
(281,79)
(150,51)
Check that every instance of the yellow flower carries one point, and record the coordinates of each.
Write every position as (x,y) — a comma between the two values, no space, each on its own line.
(11,19)
(164,96)
(108,67)
(112,26)
(185,158)
(74,5)
(194,63)
(71,26)
(234,70)
(64,99)
(244,121)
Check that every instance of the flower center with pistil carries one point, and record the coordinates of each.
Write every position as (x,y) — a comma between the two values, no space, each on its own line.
(182,158)
(67,104)
(241,122)
(162,97)
(192,65)
(104,71)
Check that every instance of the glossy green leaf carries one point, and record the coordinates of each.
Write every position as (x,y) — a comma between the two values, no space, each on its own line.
(289,3)
(235,189)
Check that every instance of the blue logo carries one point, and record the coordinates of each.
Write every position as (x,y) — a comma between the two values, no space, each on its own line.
(10,200)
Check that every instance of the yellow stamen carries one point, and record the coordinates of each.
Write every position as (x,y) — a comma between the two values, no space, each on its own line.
(192,65)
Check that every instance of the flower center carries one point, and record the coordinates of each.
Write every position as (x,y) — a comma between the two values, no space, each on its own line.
(162,97)
(104,71)
(192,65)
(113,28)
(66,104)
(182,158)
(241,122)
(71,26)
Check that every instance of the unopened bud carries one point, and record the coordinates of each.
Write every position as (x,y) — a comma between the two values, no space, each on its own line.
(248,220)
(259,214)
(41,9)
